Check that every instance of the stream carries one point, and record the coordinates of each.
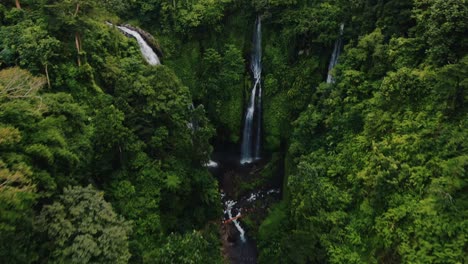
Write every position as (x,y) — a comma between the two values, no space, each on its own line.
(239,247)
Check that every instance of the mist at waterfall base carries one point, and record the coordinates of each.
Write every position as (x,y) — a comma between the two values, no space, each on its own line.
(335,55)
(251,136)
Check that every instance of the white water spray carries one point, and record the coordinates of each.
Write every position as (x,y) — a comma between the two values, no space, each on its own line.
(211,164)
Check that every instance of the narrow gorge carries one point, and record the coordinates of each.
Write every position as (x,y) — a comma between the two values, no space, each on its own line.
(233,131)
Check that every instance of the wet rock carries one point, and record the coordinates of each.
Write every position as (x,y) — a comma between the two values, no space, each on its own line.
(233,234)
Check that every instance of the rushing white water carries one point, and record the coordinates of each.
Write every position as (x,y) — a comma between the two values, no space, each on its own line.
(229,205)
(335,55)
(148,53)
(250,148)
(261,194)
(211,164)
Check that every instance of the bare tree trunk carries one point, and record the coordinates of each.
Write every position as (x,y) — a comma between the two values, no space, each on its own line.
(77,9)
(18,5)
(77,36)
(47,74)
(78,47)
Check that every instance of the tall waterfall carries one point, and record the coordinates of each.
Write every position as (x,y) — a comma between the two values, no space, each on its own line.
(335,55)
(251,136)
(148,53)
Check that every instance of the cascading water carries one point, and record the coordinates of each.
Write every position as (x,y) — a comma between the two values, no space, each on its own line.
(148,53)
(250,148)
(229,206)
(335,55)
(233,206)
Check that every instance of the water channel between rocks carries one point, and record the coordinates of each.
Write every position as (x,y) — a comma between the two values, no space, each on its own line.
(239,203)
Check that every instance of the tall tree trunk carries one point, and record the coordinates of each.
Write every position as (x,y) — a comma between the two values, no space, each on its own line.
(18,5)
(77,36)
(47,74)
(77,9)
(78,47)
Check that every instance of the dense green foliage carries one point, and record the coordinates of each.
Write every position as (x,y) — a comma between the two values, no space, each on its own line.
(379,158)
(97,114)
(376,162)
(83,228)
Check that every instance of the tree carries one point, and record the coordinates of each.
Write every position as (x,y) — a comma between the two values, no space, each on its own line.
(83,228)
(33,45)
(17,196)
(222,93)
(74,15)
(442,25)
(184,249)
(199,14)
(16,83)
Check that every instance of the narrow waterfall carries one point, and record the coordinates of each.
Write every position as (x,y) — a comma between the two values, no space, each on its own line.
(251,136)
(148,53)
(335,55)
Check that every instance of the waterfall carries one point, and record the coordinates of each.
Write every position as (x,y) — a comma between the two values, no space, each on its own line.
(148,53)
(335,55)
(249,151)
